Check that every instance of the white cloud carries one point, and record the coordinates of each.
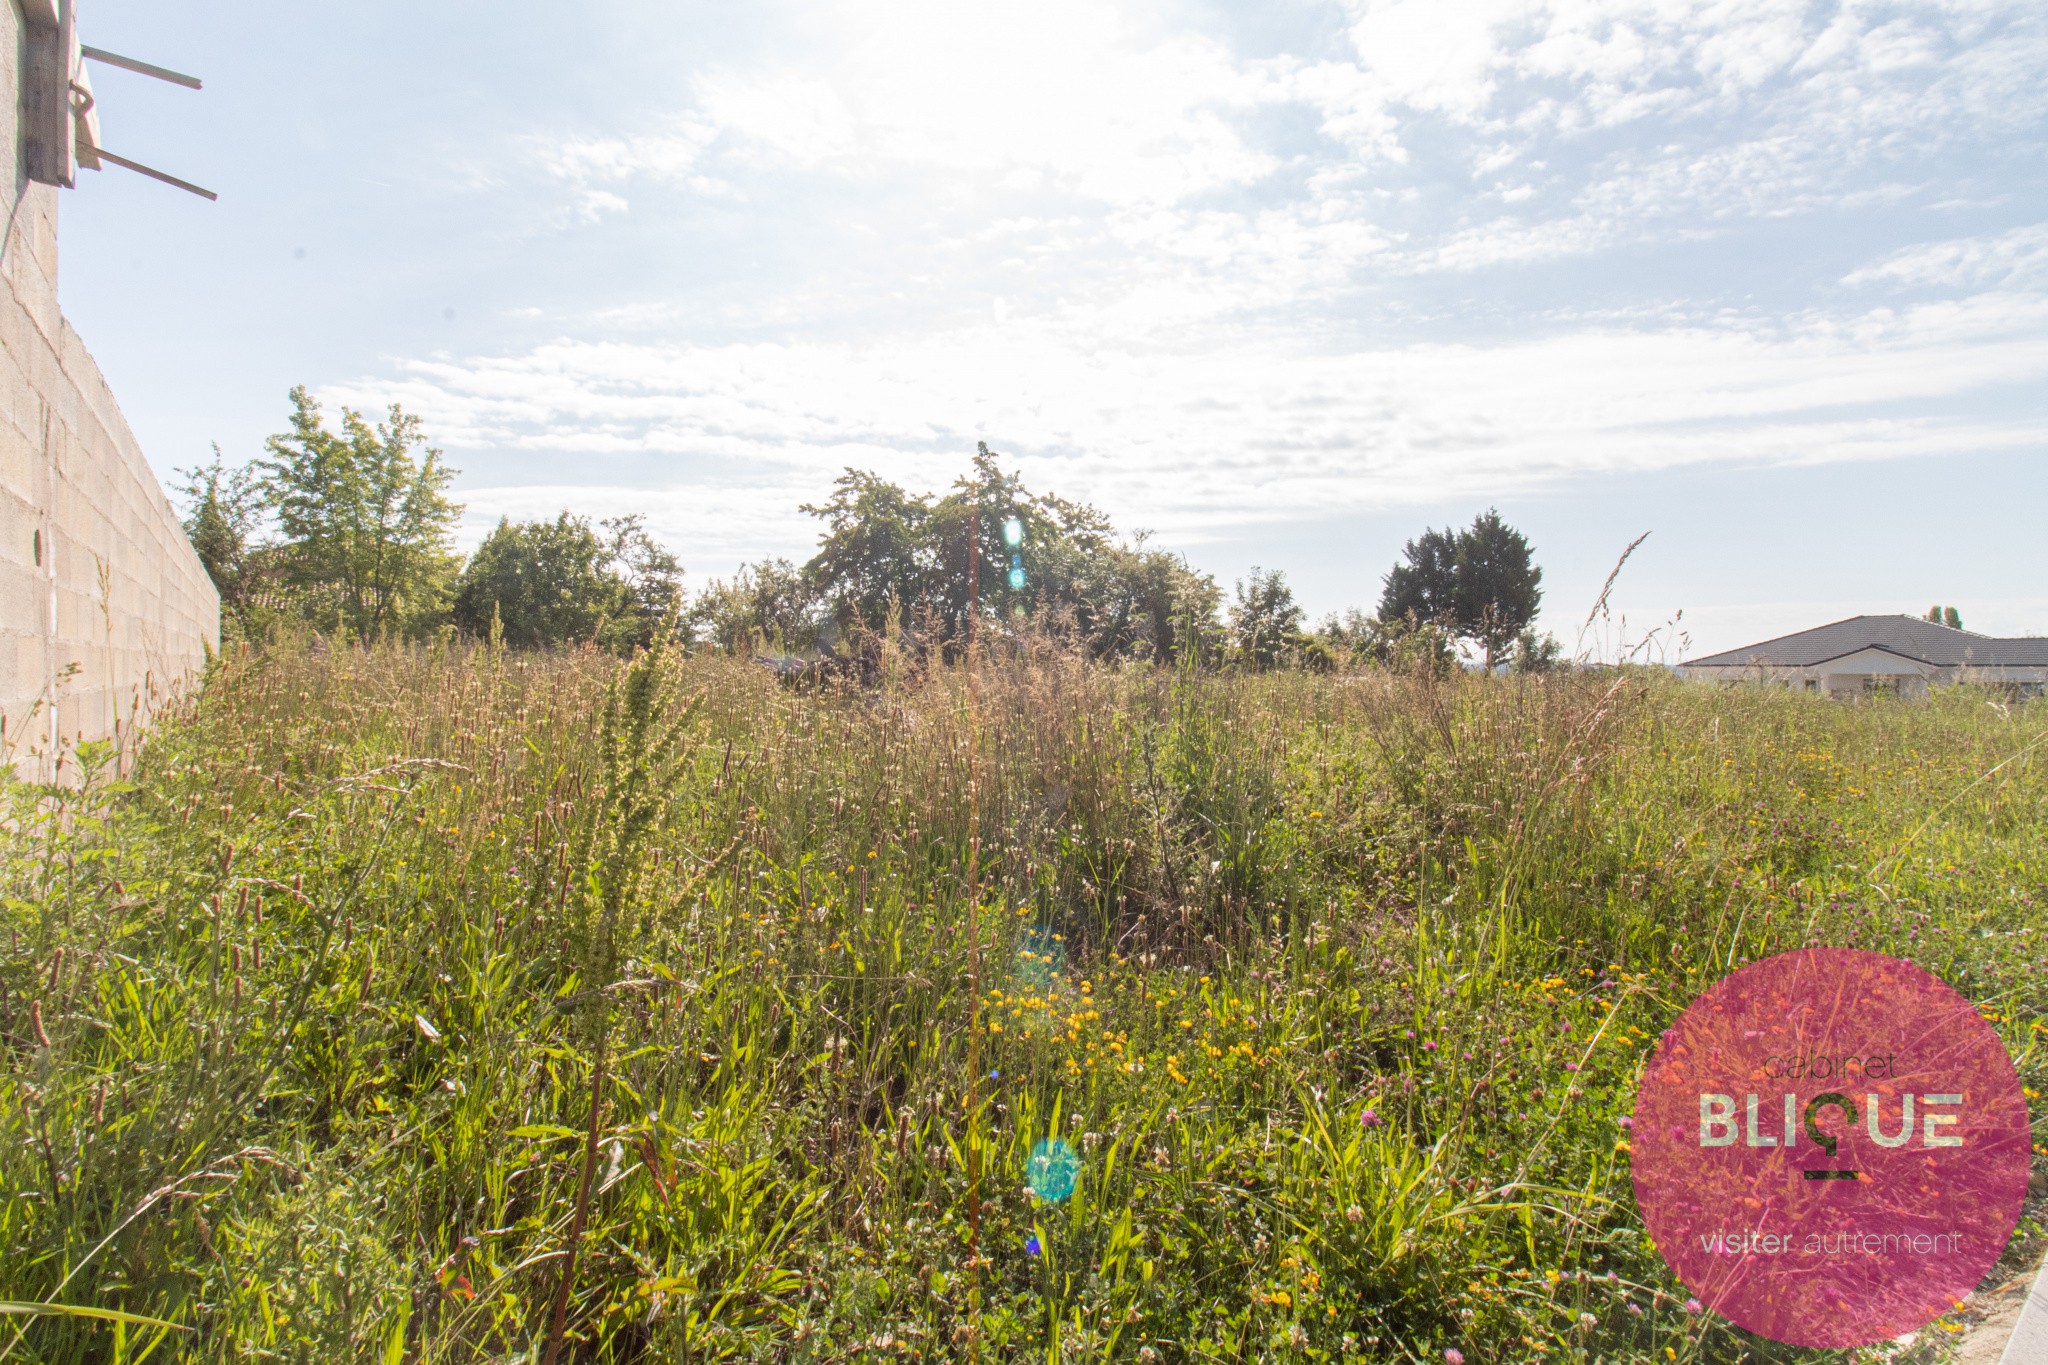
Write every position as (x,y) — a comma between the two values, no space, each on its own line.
(1180,279)
(1521,67)
(2019,256)
(1731,109)
(1240,430)
(1058,95)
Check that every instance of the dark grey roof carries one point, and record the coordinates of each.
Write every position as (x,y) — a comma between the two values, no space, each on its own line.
(1907,636)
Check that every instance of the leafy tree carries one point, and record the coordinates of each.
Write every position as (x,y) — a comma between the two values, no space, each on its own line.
(876,555)
(768,606)
(653,580)
(1533,655)
(1401,642)
(544,582)
(1148,604)
(550,583)
(1425,588)
(1499,585)
(365,524)
(1945,616)
(1481,583)
(1265,620)
(1057,563)
(224,525)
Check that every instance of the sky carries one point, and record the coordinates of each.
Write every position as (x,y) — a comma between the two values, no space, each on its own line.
(1281,283)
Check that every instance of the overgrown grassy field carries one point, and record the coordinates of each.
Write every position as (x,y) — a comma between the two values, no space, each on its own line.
(1334,989)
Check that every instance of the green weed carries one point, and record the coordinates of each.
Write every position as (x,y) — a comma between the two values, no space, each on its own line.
(404,1003)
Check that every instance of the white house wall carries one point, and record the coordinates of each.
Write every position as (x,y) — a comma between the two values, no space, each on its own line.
(105,611)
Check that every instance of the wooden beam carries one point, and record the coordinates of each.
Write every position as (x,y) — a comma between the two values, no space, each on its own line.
(48,155)
(162,73)
(141,169)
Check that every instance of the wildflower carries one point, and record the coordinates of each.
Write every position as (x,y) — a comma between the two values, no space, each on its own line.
(1635,1310)
(1429,1046)
(1694,1307)
(1453,1356)
(1626,1121)
(1370,1118)
(1031,1246)
(1586,1320)
(1354,1214)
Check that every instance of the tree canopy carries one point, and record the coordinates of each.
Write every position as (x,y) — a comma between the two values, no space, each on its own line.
(544,583)
(1265,621)
(352,531)
(1482,584)
(890,555)
(1946,616)
(224,524)
(365,528)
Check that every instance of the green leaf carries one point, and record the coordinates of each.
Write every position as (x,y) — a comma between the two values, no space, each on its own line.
(542,1130)
(74,1310)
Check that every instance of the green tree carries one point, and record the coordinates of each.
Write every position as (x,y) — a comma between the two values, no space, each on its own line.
(653,579)
(766,606)
(364,522)
(1945,616)
(876,555)
(545,582)
(1149,604)
(1400,642)
(1536,655)
(225,524)
(1265,620)
(551,583)
(1499,585)
(1481,584)
(1056,563)
(1424,588)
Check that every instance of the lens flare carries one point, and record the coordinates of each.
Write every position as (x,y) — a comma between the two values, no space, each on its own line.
(1013,532)
(1053,1170)
(1041,957)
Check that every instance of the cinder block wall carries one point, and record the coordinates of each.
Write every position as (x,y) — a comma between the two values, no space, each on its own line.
(105,611)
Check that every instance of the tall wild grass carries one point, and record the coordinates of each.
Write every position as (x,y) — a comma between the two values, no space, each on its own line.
(444,1004)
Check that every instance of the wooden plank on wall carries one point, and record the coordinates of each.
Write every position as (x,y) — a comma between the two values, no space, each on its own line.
(47,152)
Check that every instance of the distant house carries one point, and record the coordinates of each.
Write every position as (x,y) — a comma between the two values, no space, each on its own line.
(1882,655)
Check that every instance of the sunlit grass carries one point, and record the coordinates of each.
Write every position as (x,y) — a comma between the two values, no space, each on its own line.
(1335,989)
